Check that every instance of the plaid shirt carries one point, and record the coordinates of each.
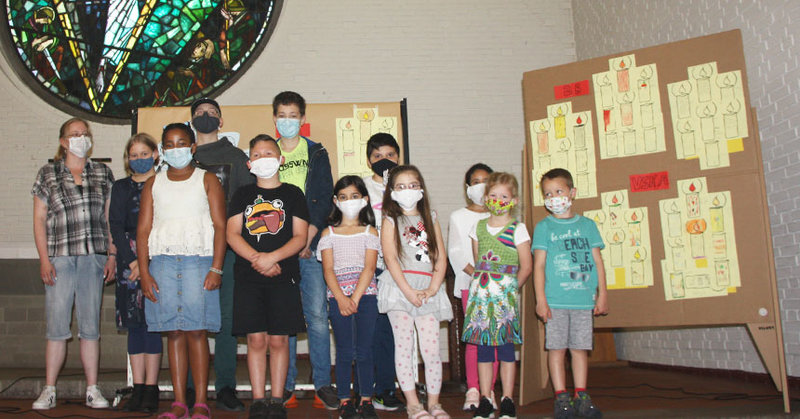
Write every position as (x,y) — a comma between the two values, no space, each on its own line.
(76,222)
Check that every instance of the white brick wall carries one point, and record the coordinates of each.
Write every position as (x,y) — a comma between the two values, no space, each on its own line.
(459,63)
(769,29)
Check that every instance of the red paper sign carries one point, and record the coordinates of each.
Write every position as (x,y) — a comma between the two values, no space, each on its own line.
(579,88)
(305,131)
(649,182)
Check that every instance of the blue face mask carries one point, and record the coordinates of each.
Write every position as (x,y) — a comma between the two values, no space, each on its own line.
(288,127)
(178,158)
(141,165)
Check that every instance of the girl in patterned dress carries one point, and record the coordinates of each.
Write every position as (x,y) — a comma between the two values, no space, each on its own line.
(411,290)
(349,252)
(503,262)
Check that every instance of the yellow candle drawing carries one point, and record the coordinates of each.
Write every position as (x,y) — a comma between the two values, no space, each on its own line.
(560,124)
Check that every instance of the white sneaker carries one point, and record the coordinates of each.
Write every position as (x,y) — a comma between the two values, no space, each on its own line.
(472,399)
(95,399)
(494,401)
(46,400)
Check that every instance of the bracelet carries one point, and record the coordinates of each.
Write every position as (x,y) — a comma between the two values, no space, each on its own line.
(215,270)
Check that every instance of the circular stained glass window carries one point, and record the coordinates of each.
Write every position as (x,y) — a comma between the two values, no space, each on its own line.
(104,58)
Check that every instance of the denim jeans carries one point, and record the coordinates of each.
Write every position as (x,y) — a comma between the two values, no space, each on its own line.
(315,309)
(353,335)
(79,280)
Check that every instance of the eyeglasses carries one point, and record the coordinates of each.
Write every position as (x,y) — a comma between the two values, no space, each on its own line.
(210,112)
(413,186)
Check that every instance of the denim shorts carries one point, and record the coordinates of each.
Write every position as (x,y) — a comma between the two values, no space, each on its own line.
(182,303)
(79,280)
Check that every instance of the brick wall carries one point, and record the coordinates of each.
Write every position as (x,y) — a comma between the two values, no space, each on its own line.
(459,63)
(769,34)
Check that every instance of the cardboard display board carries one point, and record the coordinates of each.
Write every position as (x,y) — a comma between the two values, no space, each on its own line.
(343,128)
(664,150)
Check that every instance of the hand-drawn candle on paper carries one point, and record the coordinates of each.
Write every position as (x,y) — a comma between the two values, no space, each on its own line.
(699,242)
(564,139)
(628,106)
(626,232)
(709,106)
(352,134)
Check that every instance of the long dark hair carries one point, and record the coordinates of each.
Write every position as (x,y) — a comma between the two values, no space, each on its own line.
(366,216)
(393,210)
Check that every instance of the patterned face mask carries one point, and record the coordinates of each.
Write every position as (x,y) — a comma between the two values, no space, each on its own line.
(558,204)
(498,207)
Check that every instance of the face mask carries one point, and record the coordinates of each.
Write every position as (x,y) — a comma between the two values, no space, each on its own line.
(141,165)
(408,198)
(80,146)
(558,204)
(178,158)
(265,167)
(352,207)
(498,207)
(205,123)
(381,166)
(475,193)
(288,127)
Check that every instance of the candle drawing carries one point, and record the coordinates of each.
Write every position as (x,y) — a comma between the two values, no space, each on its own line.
(365,117)
(629,141)
(623,76)
(562,155)
(599,218)
(634,218)
(730,119)
(626,109)
(348,136)
(605,92)
(681,93)
(560,122)
(673,219)
(543,138)
(696,228)
(611,144)
(706,115)
(614,204)
(609,120)
(712,153)
(716,213)
(637,266)
(719,245)
(544,163)
(582,183)
(615,239)
(676,282)
(579,133)
(677,252)
(692,192)
(687,140)
(703,80)
(644,83)
(582,160)
(650,143)
(726,83)
(722,270)
(646,110)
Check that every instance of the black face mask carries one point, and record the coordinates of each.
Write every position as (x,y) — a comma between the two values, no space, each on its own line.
(205,123)
(381,166)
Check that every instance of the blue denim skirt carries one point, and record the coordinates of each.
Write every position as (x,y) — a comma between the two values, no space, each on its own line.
(182,303)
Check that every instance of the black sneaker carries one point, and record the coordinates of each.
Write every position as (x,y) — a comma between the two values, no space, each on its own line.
(562,407)
(507,409)
(388,401)
(367,410)
(347,410)
(327,395)
(259,410)
(226,400)
(484,410)
(276,411)
(584,407)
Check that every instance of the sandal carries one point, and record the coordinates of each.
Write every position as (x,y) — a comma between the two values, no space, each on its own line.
(170,415)
(417,412)
(438,413)
(207,415)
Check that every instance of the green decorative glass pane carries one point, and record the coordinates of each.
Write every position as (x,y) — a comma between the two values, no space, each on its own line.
(105,58)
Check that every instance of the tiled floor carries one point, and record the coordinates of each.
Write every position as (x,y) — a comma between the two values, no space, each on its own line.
(618,390)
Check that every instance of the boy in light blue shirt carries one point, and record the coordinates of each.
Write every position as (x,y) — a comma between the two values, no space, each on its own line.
(570,285)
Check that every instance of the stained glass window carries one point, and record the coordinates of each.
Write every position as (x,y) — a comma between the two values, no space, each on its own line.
(107,57)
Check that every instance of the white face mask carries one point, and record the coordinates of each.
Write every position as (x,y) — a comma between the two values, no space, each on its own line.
(475,193)
(407,198)
(80,146)
(558,204)
(265,167)
(352,207)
